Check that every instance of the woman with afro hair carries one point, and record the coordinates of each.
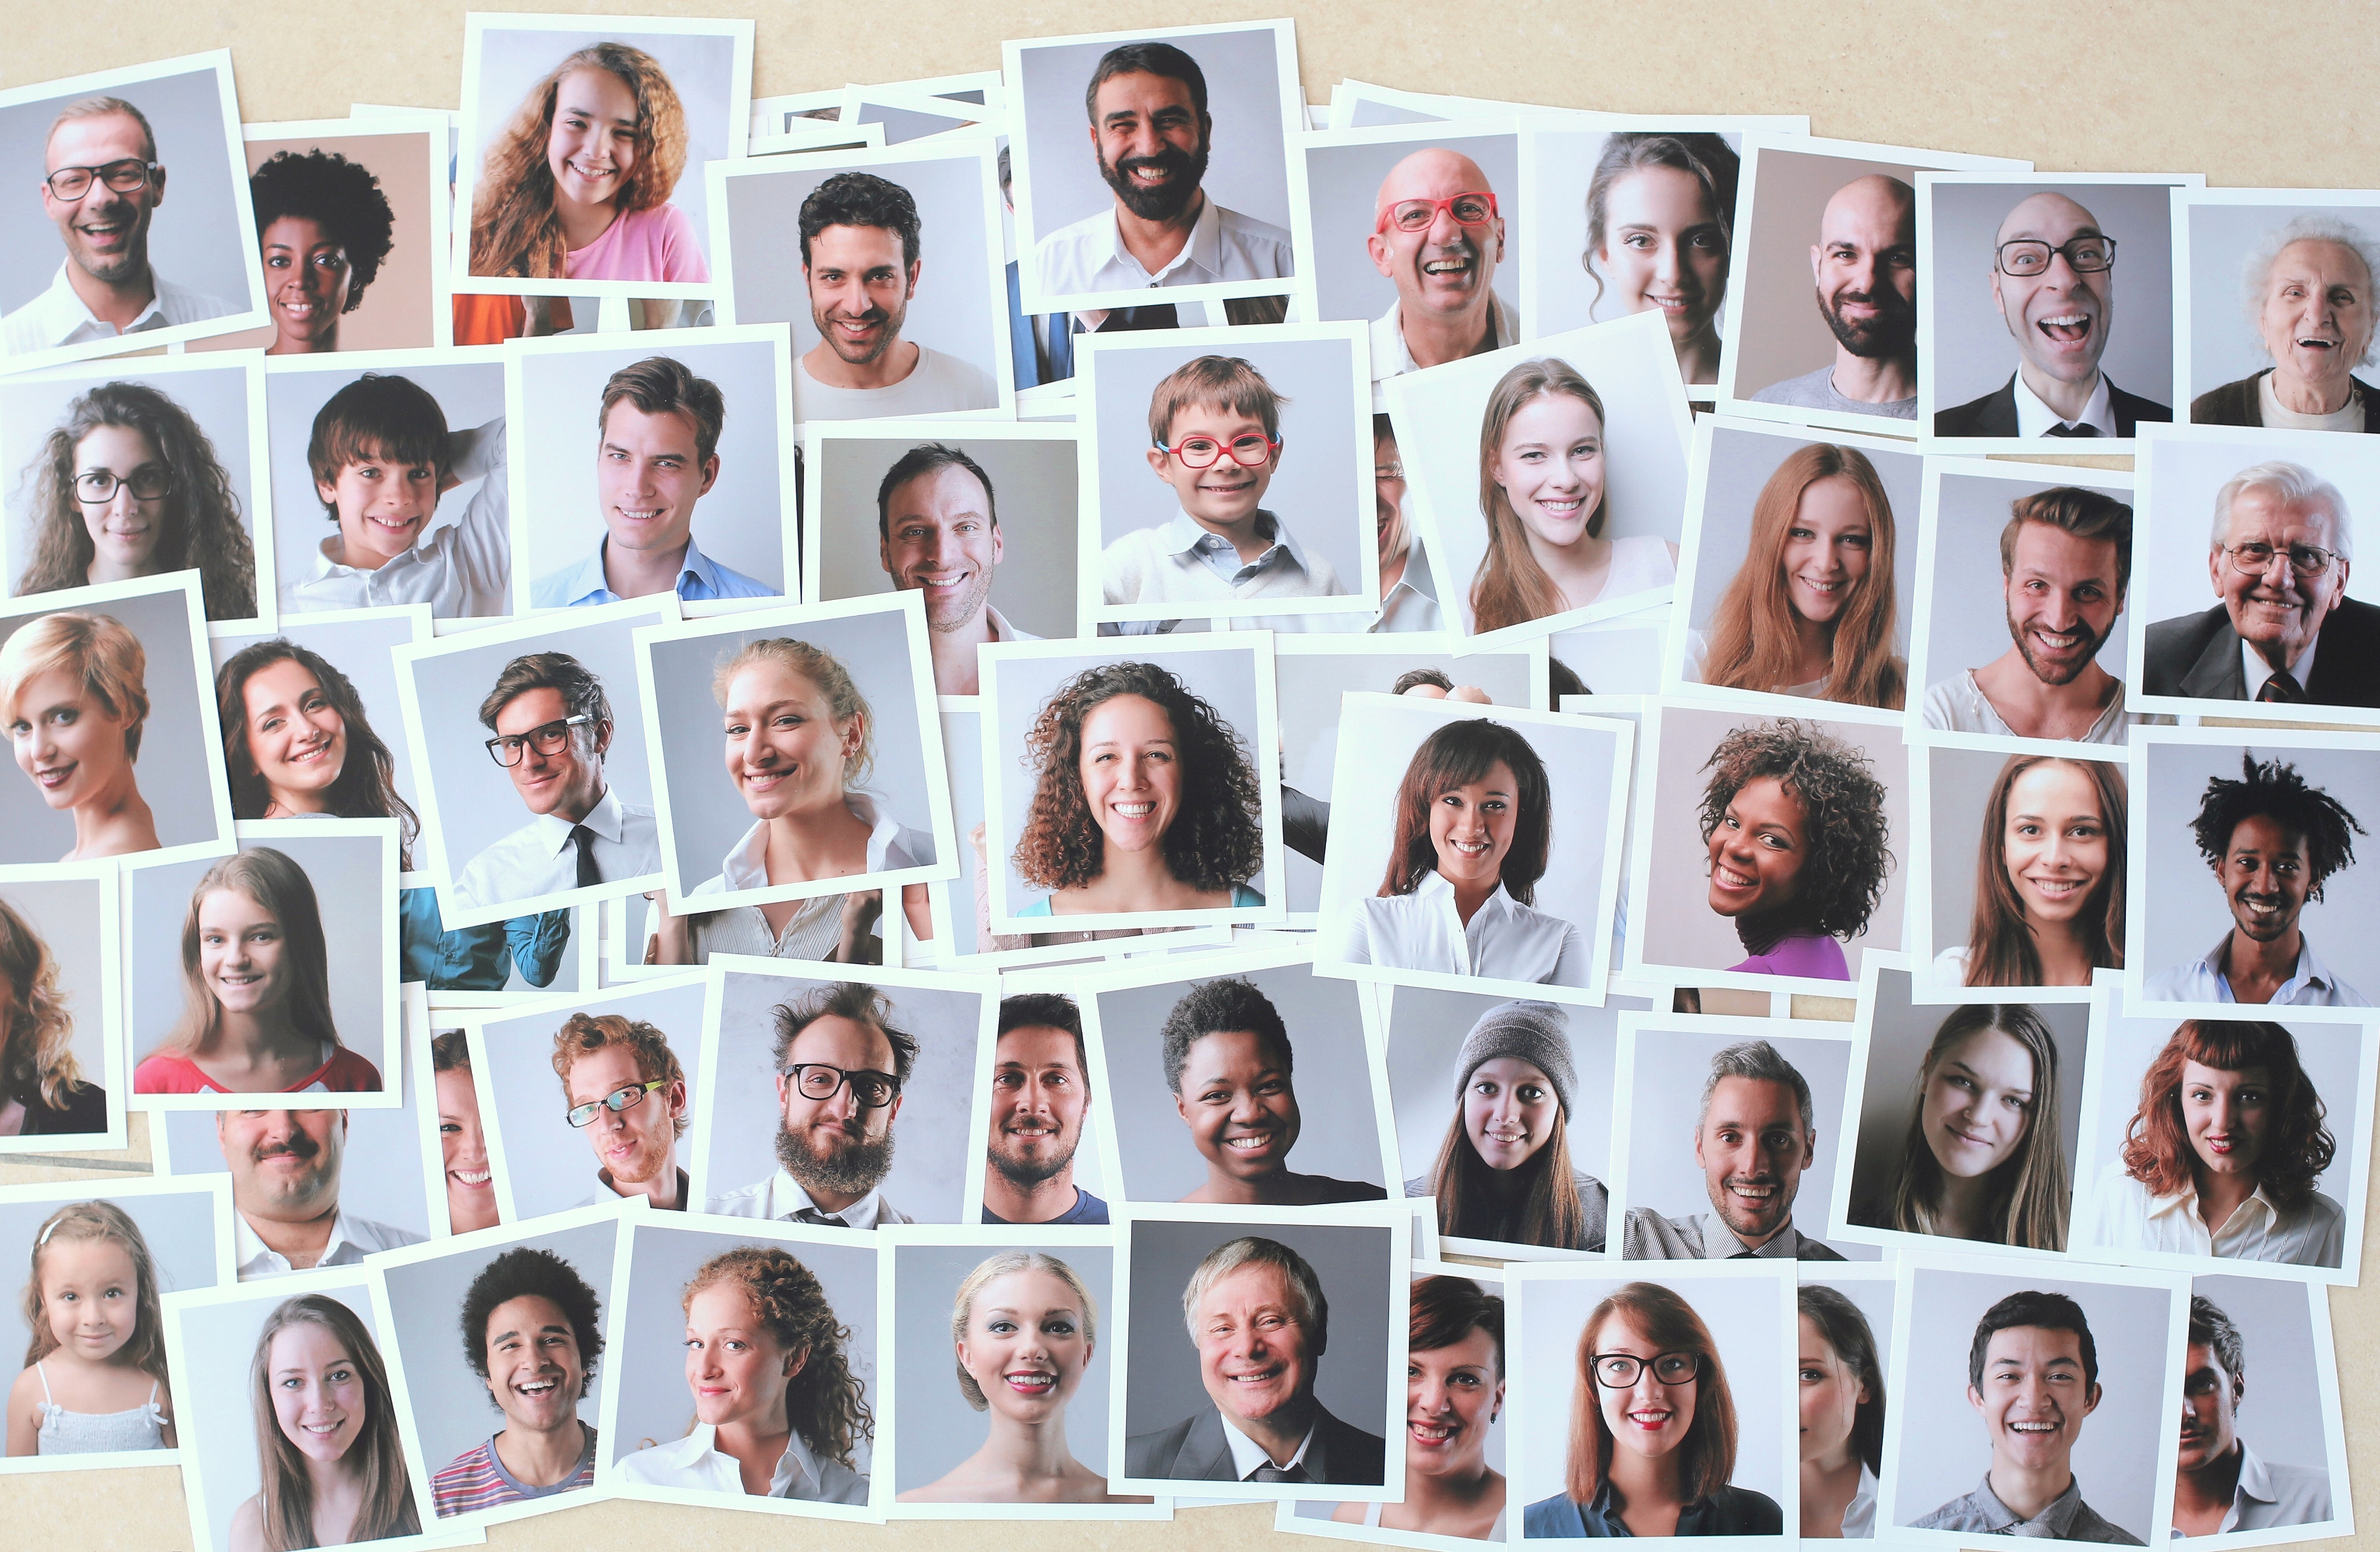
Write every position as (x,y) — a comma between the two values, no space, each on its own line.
(1795,827)
(324,229)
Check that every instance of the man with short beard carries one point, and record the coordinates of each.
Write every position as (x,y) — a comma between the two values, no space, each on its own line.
(1040,1100)
(626,1091)
(284,1193)
(938,532)
(1755,1135)
(861,258)
(1866,265)
(1151,133)
(840,1067)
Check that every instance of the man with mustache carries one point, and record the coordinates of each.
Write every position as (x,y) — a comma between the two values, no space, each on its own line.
(861,258)
(2220,1485)
(1755,1135)
(102,185)
(284,1193)
(1866,265)
(2272,839)
(2285,630)
(938,532)
(1040,1101)
(840,1067)
(1151,133)
(625,1089)
(2054,279)
(1436,234)
(2033,1376)
(2066,559)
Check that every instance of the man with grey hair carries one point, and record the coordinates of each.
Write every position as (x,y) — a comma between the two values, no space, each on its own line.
(1256,1313)
(1753,1138)
(2285,630)
(101,186)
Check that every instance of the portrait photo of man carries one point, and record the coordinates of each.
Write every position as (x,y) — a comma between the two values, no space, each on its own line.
(626,1093)
(1864,264)
(285,1170)
(2220,1484)
(1040,1099)
(862,260)
(1756,1134)
(937,534)
(1438,235)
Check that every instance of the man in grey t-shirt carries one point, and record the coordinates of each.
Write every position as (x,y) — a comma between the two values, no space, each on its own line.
(1864,265)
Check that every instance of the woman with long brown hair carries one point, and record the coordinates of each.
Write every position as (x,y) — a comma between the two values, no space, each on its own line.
(1660,214)
(2049,878)
(1503,1172)
(42,1090)
(326,1438)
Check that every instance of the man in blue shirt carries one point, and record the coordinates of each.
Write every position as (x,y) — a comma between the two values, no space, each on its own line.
(1040,1101)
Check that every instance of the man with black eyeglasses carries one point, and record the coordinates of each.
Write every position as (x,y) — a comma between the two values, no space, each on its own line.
(2054,279)
(1436,234)
(840,1067)
(102,185)
(2285,630)
(552,724)
(626,1091)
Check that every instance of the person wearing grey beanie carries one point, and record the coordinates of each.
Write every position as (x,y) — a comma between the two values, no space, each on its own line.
(1503,1172)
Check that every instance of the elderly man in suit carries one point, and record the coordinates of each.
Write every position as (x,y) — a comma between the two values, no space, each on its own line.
(2285,630)
(1255,1311)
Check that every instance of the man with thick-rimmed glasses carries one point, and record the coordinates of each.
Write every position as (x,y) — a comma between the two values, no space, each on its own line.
(626,1091)
(1436,234)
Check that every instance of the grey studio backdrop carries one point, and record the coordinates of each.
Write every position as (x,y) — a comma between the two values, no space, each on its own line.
(1248,155)
(655,1406)
(1313,485)
(1898,1035)
(1163,1385)
(358,648)
(1960,785)
(549,1164)
(1944,1445)
(937,1428)
(1036,490)
(929,1163)
(452,1409)
(699,65)
(1343,185)
(1309,687)
(1556,199)
(196,238)
(1973,354)
(2223,346)
(471,394)
(704,805)
(2169,549)
(952,310)
(1679,926)
(2282,1410)
(1665,1100)
(1966,606)
(65,913)
(1339,1132)
(358,922)
(560,444)
(1779,330)
(1741,463)
(1224,679)
(2184,910)
(179,1227)
(174,743)
(30,408)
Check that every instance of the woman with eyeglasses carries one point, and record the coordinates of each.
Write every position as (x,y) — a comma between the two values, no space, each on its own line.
(129,486)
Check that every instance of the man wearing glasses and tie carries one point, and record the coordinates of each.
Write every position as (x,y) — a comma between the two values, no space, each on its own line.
(102,185)
(626,1091)
(552,724)
(840,1066)
(2053,277)
(1436,234)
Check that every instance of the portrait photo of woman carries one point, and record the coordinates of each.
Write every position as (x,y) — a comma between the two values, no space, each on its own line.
(462,1142)
(1455,1393)
(1838,1377)
(1797,846)
(130,486)
(326,1438)
(42,1089)
(1504,1171)
(2049,878)
(2307,293)
(74,698)
(323,227)
(1660,212)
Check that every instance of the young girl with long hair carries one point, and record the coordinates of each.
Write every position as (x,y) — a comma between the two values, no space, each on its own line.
(2049,878)
(94,1376)
(1660,216)
(326,1440)
(1503,1172)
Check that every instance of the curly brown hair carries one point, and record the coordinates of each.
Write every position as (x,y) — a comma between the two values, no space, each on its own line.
(826,1404)
(1215,842)
(1849,854)
(2157,1149)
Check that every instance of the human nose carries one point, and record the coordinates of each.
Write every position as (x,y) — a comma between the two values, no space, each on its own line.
(842,1103)
(2218,1113)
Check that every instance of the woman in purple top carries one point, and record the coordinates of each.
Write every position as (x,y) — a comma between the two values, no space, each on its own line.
(1793,822)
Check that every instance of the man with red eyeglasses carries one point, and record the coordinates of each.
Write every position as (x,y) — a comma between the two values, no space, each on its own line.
(1436,234)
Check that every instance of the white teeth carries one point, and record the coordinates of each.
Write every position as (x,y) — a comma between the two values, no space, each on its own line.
(474,1177)
(1133,811)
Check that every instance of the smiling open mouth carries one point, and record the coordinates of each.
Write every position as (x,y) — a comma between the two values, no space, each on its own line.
(2066,328)
(1729,878)
(1433,1434)
(1031,1382)
(54,776)
(472,1177)
(1249,1142)
(2030,1427)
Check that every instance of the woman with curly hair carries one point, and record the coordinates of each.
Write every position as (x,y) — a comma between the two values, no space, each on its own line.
(42,1092)
(1810,612)
(129,486)
(2049,878)
(1146,800)
(776,1407)
(1474,830)
(1795,827)
(324,229)
(2221,1157)
(577,185)
(326,1438)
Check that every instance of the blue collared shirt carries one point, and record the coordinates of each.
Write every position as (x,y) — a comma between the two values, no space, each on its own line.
(2201,980)
(699,579)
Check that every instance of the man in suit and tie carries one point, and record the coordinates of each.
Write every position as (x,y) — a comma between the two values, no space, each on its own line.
(2053,277)
(1256,1311)
(2285,629)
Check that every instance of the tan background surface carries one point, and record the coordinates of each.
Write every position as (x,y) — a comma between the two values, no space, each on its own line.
(2183,86)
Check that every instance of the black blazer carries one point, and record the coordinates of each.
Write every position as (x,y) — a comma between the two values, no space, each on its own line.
(2199,655)
(85,1112)
(2239,404)
(1195,1450)
(1994,413)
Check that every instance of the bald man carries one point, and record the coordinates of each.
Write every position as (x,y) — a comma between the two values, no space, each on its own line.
(1437,233)
(2054,280)
(1864,265)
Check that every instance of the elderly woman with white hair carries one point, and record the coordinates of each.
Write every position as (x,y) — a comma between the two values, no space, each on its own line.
(2308,293)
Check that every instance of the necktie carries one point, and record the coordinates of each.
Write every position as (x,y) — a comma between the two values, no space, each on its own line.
(824,1220)
(584,839)
(2282,687)
(2063,430)
(1270,1472)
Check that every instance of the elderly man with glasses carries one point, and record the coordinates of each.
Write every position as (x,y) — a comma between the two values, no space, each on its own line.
(1436,234)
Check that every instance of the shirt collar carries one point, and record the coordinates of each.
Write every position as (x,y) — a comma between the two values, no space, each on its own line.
(789,1199)
(2311,970)
(71,305)
(2186,1202)
(1203,250)
(2034,418)
(1719,1243)
(1247,1455)
(255,1254)
(1001,630)
(605,819)
(2059,1515)
(2254,670)
(1434,887)
(795,1463)
(747,867)
(585,583)
(1388,329)
(1182,536)
(1416,578)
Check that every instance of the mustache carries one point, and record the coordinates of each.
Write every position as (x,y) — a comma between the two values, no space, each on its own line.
(299,1147)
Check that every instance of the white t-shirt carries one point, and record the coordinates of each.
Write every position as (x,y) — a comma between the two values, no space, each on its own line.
(937,384)
(2347,417)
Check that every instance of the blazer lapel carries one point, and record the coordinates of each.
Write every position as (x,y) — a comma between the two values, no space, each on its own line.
(1206,1454)
(2216,675)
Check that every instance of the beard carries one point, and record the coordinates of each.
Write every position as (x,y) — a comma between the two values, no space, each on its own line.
(954,614)
(1167,200)
(1025,1171)
(644,1167)
(848,1165)
(886,338)
(2048,673)
(1892,332)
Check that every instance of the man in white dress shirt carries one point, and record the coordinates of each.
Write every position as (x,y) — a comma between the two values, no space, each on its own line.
(552,724)
(840,1067)
(625,1089)
(284,1193)
(1151,133)
(937,534)
(102,185)
(1438,234)
(2220,1485)
(861,259)
(1755,1135)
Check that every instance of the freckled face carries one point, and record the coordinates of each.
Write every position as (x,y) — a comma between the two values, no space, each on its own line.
(1756,850)
(736,1368)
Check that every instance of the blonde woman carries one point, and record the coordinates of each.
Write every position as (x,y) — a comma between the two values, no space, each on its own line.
(42,1092)
(74,698)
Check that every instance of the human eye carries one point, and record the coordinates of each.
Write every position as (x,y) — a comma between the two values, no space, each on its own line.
(1060,1327)
(2250,1096)
(276,261)
(1775,842)
(2027,827)
(1531,1093)
(1798,532)
(1708,241)
(737,729)
(445,1127)
(2198,1093)
(1813,1376)
(1641,242)
(1001,1327)
(1008,1080)
(1856,541)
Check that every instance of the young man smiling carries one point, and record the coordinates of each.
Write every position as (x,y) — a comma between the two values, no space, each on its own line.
(1755,1137)
(1864,265)
(937,534)
(531,1332)
(1040,1101)
(625,1089)
(861,258)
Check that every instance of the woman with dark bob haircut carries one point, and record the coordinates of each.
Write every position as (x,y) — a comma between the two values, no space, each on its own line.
(2221,1157)
(323,227)
(1474,828)
(1145,801)
(1841,1382)
(1454,1389)
(1795,827)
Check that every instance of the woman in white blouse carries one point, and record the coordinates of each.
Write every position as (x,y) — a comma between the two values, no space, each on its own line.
(1841,1388)
(1474,829)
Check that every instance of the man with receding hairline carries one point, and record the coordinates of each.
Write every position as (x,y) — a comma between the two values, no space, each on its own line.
(286,1168)
(1866,266)
(1438,234)
(937,534)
